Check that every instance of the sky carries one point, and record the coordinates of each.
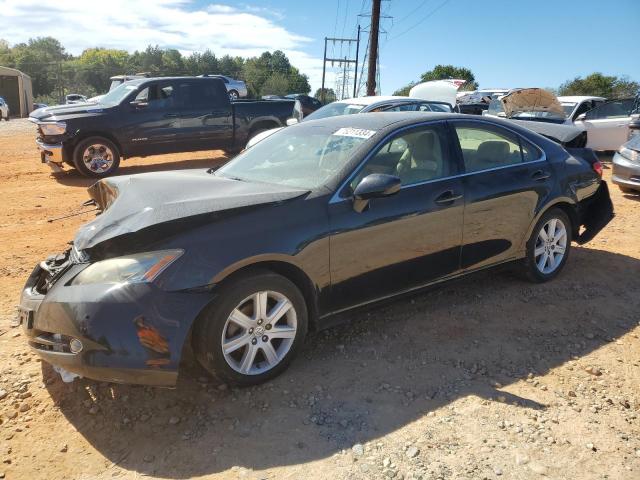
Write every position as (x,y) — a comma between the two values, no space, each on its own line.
(505,43)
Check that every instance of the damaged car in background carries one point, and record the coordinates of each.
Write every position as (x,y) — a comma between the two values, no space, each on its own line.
(238,264)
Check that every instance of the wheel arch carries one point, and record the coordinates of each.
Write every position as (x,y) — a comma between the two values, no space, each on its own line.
(568,206)
(81,136)
(264,123)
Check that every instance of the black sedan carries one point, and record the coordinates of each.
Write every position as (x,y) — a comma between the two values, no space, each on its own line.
(325,216)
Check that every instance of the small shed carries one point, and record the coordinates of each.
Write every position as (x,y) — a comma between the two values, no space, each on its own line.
(15,88)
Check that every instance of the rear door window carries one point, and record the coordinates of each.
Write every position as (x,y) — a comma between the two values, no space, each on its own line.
(486,147)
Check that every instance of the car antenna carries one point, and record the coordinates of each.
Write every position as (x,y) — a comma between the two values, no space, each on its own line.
(55,219)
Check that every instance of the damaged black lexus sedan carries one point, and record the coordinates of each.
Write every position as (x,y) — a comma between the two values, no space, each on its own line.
(239,263)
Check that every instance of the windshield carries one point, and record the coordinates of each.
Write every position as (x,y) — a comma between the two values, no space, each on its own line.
(299,156)
(538,115)
(568,108)
(115,96)
(335,109)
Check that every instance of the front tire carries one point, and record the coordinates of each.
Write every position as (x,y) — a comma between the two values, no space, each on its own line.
(96,157)
(253,329)
(548,247)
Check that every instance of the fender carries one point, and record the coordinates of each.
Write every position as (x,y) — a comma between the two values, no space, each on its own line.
(573,205)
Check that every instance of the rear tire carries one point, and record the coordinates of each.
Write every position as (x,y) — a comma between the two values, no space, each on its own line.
(548,247)
(233,95)
(96,157)
(240,339)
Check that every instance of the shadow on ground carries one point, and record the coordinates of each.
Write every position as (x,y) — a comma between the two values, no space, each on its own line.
(72,177)
(365,379)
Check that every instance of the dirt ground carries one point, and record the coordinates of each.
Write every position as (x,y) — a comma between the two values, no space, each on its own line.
(485,378)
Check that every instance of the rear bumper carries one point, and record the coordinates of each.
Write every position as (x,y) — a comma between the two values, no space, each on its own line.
(595,213)
(50,152)
(625,172)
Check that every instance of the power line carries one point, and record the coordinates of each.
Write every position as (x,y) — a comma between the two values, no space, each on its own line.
(413,11)
(431,13)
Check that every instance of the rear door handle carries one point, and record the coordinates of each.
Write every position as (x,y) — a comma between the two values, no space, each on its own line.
(447,197)
(170,115)
(540,175)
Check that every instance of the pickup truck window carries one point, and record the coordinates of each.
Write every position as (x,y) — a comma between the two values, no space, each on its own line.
(159,96)
(199,94)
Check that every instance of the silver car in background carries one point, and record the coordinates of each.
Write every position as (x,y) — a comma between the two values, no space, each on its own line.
(235,88)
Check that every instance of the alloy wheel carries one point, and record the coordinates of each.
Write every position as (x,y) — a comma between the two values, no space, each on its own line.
(551,245)
(98,158)
(259,332)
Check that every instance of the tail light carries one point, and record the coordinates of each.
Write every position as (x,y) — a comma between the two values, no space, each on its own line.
(597,167)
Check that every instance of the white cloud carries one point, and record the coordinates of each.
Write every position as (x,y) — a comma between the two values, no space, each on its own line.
(134,24)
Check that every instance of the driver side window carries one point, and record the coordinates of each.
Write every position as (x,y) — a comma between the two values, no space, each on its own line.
(416,156)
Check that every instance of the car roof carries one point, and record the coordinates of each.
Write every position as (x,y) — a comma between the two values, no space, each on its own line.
(372,100)
(578,98)
(381,120)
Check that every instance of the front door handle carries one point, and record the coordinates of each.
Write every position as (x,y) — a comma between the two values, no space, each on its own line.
(170,115)
(540,175)
(447,197)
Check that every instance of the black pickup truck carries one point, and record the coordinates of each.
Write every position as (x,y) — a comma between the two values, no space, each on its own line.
(152,116)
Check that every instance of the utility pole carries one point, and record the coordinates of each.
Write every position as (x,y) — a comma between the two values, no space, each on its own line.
(373,47)
(342,62)
(355,70)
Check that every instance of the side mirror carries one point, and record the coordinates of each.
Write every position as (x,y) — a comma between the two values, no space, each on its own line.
(581,118)
(291,121)
(139,104)
(375,185)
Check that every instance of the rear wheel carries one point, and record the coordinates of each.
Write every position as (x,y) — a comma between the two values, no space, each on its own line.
(96,157)
(548,247)
(253,329)
(233,95)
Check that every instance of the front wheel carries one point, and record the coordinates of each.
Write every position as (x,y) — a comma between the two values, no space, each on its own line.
(96,157)
(548,247)
(253,329)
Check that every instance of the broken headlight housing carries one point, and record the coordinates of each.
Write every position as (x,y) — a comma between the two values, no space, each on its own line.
(138,268)
(53,128)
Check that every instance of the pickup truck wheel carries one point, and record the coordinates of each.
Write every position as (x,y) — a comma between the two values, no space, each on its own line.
(96,157)
(252,330)
(233,95)
(548,247)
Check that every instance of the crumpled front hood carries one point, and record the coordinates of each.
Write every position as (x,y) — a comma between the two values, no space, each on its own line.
(523,100)
(59,112)
(133,202)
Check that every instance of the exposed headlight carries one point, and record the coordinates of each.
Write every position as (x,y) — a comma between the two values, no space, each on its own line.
(53,128)
(629,154)
(138,268)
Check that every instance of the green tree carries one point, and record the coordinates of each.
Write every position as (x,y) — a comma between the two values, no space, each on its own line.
(95,66)
(444,72)
(40,58)
(276,84)
(597,84)
(329,95)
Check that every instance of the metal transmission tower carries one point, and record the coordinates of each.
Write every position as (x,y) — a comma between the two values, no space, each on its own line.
(344,63)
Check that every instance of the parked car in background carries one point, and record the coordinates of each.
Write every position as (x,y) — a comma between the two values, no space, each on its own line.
(4,109)
(574,106)
(607,124)
(39,105)
(626,166)
(235,88)
(74,98)
(116,81)
(309,104)
(153,116)
(352,209)
(477,102)
(367,104)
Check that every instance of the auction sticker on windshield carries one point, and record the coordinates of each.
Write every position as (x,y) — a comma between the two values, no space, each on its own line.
(355,132)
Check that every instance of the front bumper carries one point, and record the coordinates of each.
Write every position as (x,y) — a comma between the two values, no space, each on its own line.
(130,333)
(50,152)
(625,172)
